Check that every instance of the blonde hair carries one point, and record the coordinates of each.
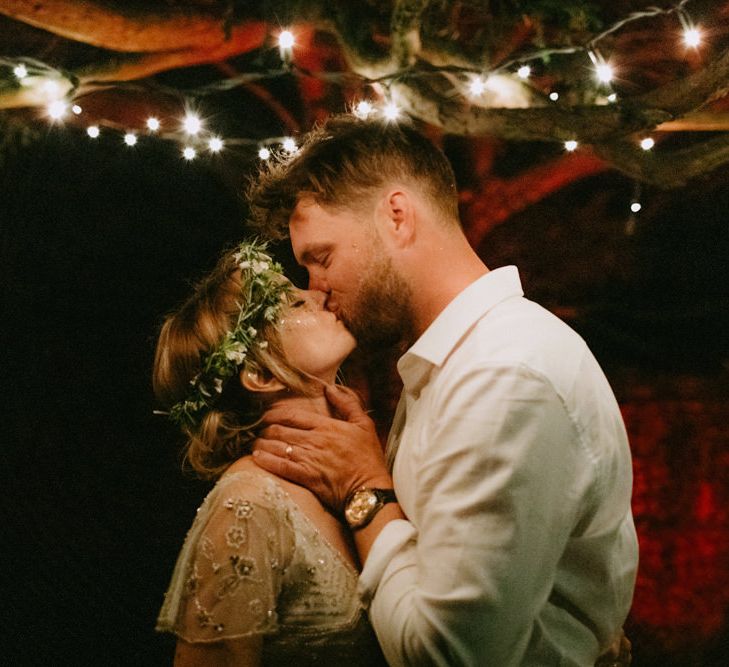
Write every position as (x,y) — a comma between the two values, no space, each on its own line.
(227,429)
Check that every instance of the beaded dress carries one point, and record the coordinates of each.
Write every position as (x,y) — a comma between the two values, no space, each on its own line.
(253,563)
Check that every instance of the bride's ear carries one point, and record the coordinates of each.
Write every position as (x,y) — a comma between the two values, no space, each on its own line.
(259,381)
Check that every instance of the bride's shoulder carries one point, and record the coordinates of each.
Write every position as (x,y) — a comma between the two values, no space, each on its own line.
(244,476)
(245,472)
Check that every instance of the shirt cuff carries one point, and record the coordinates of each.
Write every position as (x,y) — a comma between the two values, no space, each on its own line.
(392,538)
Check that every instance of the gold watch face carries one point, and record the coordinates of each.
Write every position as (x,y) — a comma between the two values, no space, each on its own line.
(360,506)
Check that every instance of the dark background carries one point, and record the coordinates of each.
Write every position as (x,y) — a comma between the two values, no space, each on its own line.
(99,241)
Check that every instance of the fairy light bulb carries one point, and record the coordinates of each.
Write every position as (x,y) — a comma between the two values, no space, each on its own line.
(189,153)
(477,86)
(130,139)
(692,37)
(524,71)
(635,207)
(285,45)
(153,124)
(604,72)
(554,96)
(647,143)
(215,144)
(286,39)
(363,109)
(20,71)
(93,131)
(612,97)
(391,111)
(289,145)
(264,153)
(76,109)
(570,145)
(57,109)
(192,124)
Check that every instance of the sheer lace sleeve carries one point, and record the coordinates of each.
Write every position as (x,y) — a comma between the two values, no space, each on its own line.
(229,573)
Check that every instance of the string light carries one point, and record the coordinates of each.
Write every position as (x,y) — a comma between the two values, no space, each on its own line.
(391,111)
(50,86)
(477,86)
(363,110)
(289,145)
(286,43)
(215,144)
(604,72)
(635,207)
(57,109)
(692,37)
(189,153)
(286,39)
(192,124)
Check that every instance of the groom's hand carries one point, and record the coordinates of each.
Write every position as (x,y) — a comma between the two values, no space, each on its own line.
(331,457)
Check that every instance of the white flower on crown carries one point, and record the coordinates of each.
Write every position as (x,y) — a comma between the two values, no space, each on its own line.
(252,331)
(259,266)
(236,354)
(218,385)
(270,313)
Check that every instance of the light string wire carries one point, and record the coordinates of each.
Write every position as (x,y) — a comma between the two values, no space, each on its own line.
(74,89)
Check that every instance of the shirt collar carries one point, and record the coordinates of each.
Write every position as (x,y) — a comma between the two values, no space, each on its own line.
(439,339)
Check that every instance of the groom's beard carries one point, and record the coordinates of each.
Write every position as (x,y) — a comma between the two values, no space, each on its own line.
(382,314)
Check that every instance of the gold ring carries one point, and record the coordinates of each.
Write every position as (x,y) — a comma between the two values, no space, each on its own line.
(289,451)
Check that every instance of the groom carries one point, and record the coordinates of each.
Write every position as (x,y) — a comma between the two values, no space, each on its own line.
(510,540)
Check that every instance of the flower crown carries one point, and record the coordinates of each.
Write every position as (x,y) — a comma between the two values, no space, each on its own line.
(263,293)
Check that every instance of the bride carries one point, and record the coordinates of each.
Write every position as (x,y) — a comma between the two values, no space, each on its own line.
(266,575)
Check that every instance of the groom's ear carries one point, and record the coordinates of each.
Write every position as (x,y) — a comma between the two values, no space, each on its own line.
(260,381)
(398,209)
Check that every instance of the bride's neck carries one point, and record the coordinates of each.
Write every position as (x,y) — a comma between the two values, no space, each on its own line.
(316,403)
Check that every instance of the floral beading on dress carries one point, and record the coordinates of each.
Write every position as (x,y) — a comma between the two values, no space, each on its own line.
(254,564)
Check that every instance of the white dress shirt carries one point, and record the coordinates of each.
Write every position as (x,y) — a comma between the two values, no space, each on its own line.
(513,467)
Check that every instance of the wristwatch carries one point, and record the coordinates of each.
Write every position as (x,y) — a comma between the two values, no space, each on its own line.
(364,503)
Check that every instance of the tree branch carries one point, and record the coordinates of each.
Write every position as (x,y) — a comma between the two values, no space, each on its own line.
(92,22)
(666,169)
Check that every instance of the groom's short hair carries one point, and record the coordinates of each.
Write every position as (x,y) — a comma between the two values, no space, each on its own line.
(341,163)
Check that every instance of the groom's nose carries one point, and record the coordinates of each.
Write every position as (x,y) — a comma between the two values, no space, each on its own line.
(318,297)
(317,281)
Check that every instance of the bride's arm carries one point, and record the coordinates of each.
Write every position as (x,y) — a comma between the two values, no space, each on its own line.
(245,652)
